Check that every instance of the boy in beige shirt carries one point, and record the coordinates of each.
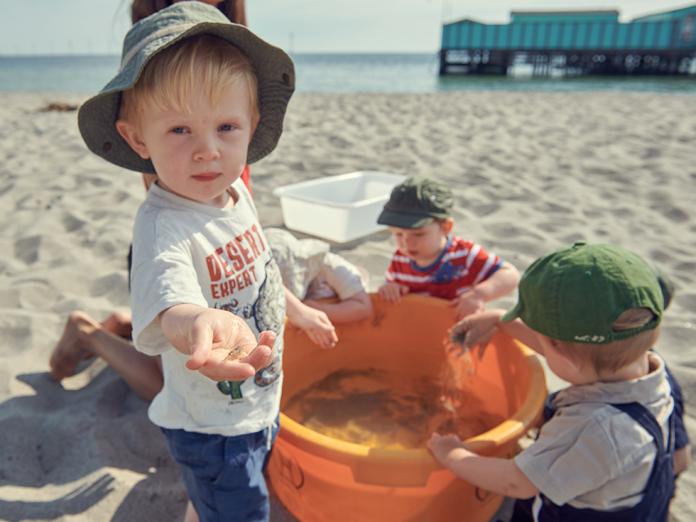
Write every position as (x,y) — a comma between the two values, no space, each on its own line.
(606,450)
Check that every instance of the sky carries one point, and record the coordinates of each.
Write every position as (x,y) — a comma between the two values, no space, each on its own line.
(98,26)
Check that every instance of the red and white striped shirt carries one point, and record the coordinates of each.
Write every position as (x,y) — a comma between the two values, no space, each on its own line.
(461,265)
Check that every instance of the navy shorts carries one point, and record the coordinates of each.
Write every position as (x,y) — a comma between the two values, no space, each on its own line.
(224,475)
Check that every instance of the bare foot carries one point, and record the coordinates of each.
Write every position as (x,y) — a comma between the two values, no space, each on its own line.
(119,323)
(72,346)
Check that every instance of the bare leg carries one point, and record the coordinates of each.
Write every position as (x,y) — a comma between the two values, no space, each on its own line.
(84,336)
(142,372)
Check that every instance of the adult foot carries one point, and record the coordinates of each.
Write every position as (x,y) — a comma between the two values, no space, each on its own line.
(73,345)
(119,323)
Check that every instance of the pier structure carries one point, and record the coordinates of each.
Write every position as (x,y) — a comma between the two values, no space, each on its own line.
(573,43)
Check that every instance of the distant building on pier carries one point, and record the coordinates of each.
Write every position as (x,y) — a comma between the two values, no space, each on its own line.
(573,42)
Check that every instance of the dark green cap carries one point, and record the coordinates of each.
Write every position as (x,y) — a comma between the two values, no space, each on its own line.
(416,202)
(666,285)
(577,294)
(274,70)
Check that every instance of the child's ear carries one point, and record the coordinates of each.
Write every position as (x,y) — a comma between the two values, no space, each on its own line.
(131,134)
(569,362)
(446,225)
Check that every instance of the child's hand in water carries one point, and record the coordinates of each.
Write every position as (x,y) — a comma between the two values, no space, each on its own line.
(475,330)
(392,292)
(442,447)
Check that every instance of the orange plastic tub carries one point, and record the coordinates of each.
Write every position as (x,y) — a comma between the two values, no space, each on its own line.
(320,478)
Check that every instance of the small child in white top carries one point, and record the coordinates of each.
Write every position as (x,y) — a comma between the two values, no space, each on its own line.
(196,99)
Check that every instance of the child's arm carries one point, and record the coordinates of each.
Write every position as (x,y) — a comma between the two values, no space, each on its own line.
(355,308)
(315,323)
(502,282)
(477,329)
(501,476)
(220,345)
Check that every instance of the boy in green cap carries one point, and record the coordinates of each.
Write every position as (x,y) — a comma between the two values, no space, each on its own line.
(196,99)
(430,260)
(606,449)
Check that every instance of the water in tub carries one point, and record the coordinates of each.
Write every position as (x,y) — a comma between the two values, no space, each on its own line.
(379,408)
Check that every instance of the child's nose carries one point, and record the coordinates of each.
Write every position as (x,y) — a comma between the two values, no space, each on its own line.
(206,150)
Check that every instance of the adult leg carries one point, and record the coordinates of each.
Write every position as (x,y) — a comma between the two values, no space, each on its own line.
(83,337)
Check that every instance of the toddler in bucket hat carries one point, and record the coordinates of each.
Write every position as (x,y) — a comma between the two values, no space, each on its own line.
(196,99)
(613,441)
(430,259)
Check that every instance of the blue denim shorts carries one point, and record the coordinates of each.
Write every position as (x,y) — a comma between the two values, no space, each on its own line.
(224,475)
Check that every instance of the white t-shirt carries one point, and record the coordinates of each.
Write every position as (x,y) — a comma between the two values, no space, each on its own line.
(188,252)
(337,277)
(310,271)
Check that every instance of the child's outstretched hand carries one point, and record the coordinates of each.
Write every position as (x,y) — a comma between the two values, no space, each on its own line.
(220,345)
(468,303)
(242,362)
(392,292)
(475,330)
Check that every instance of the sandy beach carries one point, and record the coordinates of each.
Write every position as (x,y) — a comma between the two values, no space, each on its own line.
(531,172)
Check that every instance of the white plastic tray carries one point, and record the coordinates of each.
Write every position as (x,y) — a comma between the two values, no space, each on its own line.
(338,208)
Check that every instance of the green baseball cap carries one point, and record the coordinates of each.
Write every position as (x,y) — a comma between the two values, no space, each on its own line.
(273,67)
(576,294)
(666,285)
(416,202)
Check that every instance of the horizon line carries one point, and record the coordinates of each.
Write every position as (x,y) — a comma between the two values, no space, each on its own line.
(116,55)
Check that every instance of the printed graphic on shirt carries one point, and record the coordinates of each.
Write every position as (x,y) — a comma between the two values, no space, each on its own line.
(232,267)
(231,388)
(269,309)
(267,313)
(447,272)
(461,265)
(268,375)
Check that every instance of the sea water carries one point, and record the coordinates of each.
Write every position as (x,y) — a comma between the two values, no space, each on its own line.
(326,73)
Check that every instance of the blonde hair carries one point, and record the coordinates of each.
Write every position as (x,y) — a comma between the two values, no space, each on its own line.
(612,356)
(198,65)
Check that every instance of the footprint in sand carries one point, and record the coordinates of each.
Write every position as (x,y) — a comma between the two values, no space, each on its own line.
(27,249)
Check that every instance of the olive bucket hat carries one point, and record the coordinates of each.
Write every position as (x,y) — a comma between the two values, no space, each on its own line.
(273,67)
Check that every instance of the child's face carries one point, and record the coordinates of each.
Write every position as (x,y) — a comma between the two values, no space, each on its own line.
(422,245)
(197,155)
(562,366)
